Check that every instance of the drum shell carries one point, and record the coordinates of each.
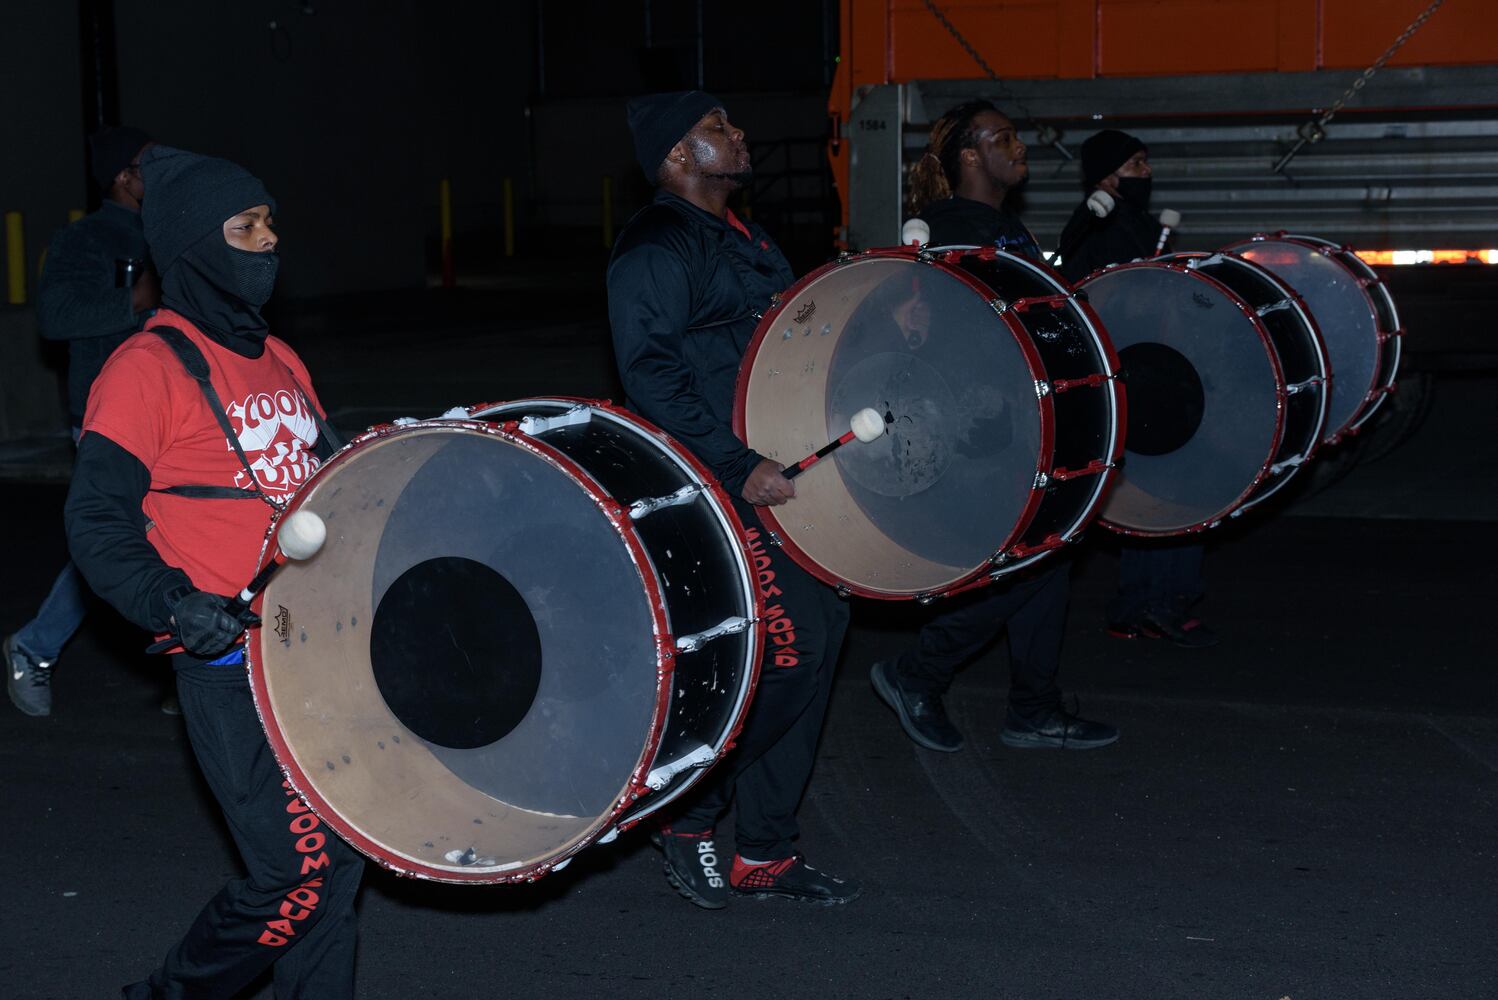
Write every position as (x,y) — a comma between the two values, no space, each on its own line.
(361,819)
(1061,480)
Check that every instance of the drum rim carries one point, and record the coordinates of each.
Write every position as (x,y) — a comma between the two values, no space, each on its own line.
(300,781)
(1045,405)
(1391,341)
(739,548)
(1281,395)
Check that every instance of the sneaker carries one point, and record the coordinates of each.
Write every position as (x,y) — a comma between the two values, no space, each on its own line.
(791,878)
(1183,631)
(28,680)
(1059,730)
(170,705)
(922,715)
(692,866)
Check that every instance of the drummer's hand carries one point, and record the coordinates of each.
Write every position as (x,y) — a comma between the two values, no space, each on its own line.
(766,487)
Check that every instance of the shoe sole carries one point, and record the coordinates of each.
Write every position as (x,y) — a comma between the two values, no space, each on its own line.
(763,894)
(688,893)
(887,694)
(1025,741)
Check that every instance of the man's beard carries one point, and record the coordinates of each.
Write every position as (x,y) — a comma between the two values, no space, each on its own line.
(739,178)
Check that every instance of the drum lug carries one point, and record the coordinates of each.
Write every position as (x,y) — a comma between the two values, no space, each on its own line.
(661,776)
(1275,307)
(843,590)
(1042,388)
(649,505)
(728,626)
(773,538)
(534,426)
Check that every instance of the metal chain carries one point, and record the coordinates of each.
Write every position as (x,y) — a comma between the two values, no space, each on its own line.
(1315,131)
(1047,133)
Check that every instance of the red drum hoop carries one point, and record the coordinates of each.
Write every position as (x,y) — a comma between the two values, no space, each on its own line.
(1227,388)
(1355,313)
(1002,402)
(511,645)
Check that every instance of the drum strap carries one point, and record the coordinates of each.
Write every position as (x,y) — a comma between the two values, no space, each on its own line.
(197,368)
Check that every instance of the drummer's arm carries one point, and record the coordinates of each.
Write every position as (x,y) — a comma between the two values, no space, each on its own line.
(107,533)
(650,296)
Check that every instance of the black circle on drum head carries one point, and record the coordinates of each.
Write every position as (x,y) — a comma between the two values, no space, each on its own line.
(455,652)
(1165,395)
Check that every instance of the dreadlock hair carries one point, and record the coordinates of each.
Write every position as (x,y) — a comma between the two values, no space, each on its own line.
(936,174)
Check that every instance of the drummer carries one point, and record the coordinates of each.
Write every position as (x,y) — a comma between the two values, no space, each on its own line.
(973,163)
(686,284)
(1158,580)
(164,518)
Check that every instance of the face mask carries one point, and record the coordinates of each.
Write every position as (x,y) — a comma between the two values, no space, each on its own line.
(1135,191)
(254,275)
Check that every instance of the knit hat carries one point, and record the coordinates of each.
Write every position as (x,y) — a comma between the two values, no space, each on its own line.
(112,149)
(189,196)
(658,122)
(1106,152)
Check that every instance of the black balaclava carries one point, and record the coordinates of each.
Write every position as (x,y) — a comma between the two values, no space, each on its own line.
(218,287)
(1104,153)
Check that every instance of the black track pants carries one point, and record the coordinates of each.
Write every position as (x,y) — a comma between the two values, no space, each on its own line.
(1033,609)
(295,910)
(766,775)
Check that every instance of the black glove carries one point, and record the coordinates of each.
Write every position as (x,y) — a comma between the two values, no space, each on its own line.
(202,622)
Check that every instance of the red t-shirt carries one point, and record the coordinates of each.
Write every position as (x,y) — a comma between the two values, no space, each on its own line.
(145,402)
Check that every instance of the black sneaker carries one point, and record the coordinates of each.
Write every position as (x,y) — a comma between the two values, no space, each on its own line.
(1181,630)
(692,866)
(1058,730)
(922,715)
(27,680)
(792,878)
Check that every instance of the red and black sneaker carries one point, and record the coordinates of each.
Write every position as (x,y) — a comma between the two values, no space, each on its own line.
(792,878)
(692,866)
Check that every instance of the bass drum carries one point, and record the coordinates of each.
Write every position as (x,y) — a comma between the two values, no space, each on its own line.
(1227,380)
(1354,311)
(523,634)
(1003,417)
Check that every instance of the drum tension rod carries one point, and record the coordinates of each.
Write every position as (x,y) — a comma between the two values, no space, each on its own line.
(649,505)
(728,626)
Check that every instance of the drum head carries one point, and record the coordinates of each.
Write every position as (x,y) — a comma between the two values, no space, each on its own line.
(1345,314)
(1205,395)
(946,487)
(462,681)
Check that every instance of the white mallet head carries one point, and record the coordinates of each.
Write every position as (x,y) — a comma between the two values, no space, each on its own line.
(1170,218)
(301,534)
(867,424)
(916,232)
(1100,203)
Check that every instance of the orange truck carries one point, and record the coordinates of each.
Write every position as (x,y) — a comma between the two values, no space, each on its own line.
(1222,92)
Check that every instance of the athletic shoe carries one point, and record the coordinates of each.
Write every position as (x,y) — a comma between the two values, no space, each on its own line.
(922,715)
(1187,632)
(27,679)
(1058,730)
(170,705)
(792,878)
(692,866)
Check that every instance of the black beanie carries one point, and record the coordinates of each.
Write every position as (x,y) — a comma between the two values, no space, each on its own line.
(1106,152)
(658,122)
(111,149)
(189,196)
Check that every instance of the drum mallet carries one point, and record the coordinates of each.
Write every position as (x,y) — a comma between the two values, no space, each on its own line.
(866,425)
(298,537)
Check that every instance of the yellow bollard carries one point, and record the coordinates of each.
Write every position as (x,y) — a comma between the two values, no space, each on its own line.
(608,213)
(445,208)
(509,218)
(15,259)
(74,214)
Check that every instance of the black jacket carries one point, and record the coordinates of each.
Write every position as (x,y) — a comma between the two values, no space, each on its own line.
(686,290)
(1089,243)
(77,300)
(963,221)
